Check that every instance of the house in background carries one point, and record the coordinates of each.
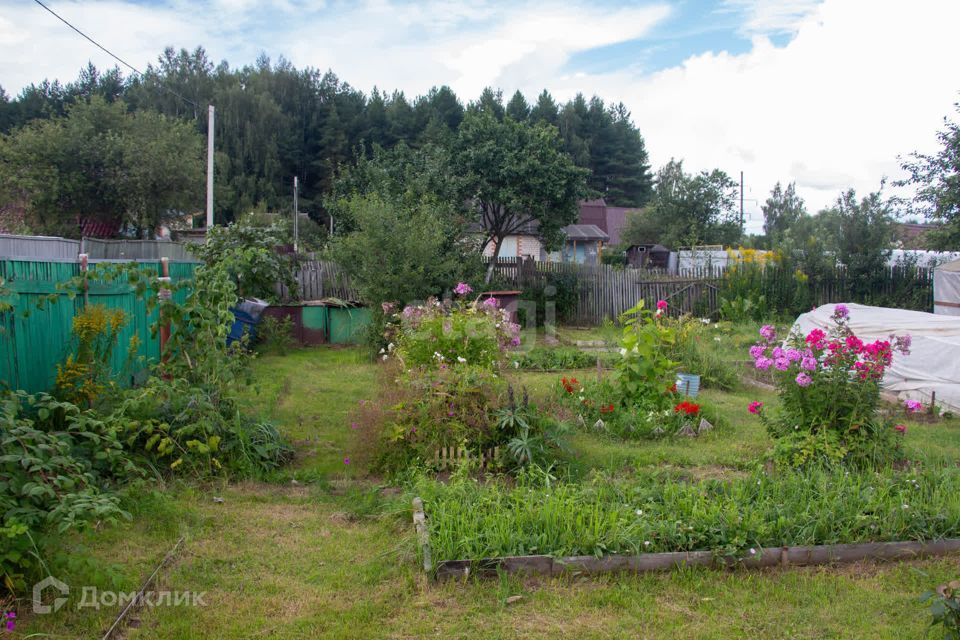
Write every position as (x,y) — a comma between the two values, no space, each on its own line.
(611,220)
(523,244)
(584,244)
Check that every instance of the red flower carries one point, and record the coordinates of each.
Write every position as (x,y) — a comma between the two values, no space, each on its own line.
(568,385)
(687,407)
(672,388)
(900,428)
(607,409)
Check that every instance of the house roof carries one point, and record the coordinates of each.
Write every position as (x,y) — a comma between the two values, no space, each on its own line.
(585,232)
(610,219)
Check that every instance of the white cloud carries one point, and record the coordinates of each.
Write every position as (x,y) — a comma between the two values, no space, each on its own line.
(861,82)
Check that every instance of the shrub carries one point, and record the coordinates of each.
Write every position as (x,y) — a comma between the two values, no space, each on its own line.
(249,254)
(559,288)
(645,369)
(60,467)
(453,333)
(829,386)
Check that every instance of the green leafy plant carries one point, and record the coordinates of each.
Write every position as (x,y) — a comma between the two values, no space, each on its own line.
(250,255)
(645,369)
(945,608)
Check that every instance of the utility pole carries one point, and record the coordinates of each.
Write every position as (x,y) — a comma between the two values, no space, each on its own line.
(741,200)
(296,215)
(210,121)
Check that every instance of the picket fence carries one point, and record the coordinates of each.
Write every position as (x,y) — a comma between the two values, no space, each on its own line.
(318,279)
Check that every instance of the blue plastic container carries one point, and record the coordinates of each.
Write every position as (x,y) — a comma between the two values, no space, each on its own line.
(688,384)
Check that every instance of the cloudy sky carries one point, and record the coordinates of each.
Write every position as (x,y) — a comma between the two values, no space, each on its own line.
(825,93)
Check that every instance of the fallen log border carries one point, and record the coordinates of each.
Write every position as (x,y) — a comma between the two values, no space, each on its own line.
(797,556)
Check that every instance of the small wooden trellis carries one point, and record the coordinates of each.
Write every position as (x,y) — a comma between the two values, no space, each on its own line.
(449,457)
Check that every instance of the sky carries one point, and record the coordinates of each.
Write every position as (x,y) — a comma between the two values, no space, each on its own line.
(826,93)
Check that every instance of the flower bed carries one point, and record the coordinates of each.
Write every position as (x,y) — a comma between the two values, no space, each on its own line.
(656,513)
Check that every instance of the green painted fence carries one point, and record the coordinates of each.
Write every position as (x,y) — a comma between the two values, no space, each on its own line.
(33,341)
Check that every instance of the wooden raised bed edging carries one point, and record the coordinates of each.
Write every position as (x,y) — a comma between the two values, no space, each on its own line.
(771,557)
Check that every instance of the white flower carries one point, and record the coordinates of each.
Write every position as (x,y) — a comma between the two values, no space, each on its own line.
(639,512)
(646,543)
(705,320)
(658,313)
(516,365)
(717,338)
(906,506)
(384,356)
(623,352)
(381,351)
(390,347)
(753,551)
(461,359)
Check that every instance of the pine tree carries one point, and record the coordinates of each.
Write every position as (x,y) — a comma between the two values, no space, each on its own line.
(517,108)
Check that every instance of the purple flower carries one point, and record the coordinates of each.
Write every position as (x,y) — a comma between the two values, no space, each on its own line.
(768,333)
(840,312)
(777,352)
(515,341)
(346,460)
(462,289)
(354,425)
(804,380)
(809,363)
(782,364)
(913,406)
(793,355)
(756,351)
(491,303)
(763,363)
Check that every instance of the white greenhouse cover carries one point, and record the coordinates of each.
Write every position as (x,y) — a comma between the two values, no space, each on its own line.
(934,361)
(946,289)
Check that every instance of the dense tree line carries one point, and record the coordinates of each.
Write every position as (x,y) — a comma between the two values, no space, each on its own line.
(275,121)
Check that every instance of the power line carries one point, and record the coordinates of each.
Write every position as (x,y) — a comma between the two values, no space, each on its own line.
(110,53)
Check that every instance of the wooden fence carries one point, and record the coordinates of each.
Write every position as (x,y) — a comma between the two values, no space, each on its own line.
(605,292)
(318,279)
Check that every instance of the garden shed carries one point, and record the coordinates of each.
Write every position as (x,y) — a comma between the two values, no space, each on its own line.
(933,365)
(946,289)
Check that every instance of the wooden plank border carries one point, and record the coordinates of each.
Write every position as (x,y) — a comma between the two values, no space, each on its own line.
(770,557)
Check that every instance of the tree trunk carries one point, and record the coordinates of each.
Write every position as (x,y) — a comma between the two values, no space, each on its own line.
(493,260)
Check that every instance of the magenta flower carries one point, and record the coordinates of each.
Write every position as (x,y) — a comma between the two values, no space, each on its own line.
(491,303)
(855,344)
(756,351)
(768,333)
(755,407)
(840,312)
(815,338)
(763,363)
(346,460)
(354,425)
(804,380)
(661,305)
(462,289)
(781,363)
(793,355)
(809,363)
(913,406)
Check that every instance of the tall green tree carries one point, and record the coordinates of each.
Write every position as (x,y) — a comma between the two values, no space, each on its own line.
(695,209)
(781,211)
(517,174)
(937,179)
(101,162)
(517,108)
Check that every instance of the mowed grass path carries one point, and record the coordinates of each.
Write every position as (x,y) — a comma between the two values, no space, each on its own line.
(331,557)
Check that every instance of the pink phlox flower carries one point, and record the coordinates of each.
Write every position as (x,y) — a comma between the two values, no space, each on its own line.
(768,333)
(804,380)
(763,363)
(661,305)
(755,407)
(781,363)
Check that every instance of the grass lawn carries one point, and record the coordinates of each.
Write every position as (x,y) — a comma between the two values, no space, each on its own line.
(333,556)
